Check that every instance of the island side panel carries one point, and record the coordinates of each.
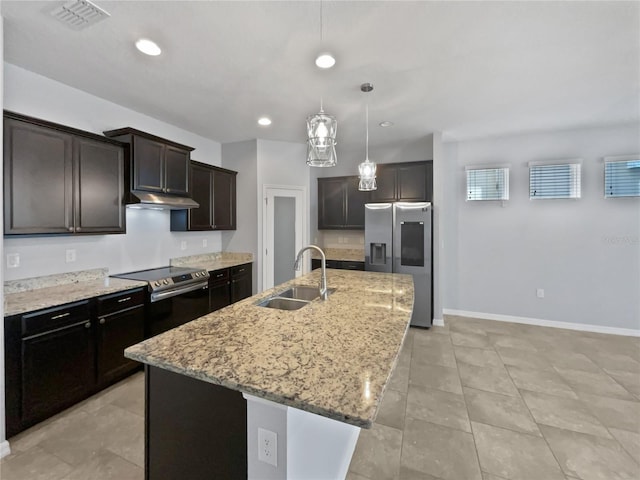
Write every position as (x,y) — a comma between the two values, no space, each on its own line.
(194,429)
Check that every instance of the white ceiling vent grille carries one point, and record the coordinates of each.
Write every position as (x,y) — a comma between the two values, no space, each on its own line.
(79,14)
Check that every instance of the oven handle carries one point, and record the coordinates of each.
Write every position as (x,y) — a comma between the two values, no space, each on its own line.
(177,291)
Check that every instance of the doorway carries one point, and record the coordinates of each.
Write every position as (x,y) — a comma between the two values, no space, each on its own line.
(284,232)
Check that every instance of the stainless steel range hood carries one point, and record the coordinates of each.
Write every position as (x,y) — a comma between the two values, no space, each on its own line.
(159,201)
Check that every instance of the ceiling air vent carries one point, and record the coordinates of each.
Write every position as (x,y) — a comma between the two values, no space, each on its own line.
(79,14)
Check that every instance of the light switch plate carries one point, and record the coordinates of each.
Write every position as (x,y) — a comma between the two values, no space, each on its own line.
(183,245)
(70,255)
(13,260)
(204,242)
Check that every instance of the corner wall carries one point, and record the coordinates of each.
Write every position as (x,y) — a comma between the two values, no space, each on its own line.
(584,253)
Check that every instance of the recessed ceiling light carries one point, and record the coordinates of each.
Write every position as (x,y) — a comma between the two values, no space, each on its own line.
(148,47)
(325,60)
(386,123)
(264,121)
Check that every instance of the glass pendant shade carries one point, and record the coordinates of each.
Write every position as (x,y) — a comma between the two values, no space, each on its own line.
(321,143)
(367,171)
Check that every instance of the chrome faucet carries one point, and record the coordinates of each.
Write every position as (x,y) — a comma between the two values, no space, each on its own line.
(323,279)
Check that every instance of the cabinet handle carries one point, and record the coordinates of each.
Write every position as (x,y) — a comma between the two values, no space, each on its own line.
(87,325)
(220,275)
(70,229)
(78,229)
(62,315)
(126,299)
(102,320)
(241,270)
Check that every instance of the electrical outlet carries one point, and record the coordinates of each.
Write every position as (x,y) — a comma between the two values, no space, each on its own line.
(540,292)
(70,255)
(13,260)
(204,242)
(268,447)
(183,245)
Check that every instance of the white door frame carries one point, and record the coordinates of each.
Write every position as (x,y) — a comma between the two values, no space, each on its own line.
(301,229)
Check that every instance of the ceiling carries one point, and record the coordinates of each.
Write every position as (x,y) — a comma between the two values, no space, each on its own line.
(467,69)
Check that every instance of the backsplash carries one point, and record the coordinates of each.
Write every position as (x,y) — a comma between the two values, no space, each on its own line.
(211,257)
(350,239)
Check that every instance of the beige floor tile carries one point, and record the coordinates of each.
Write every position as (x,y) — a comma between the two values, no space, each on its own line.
(478,356)
(563,413)
(34,464)
(571,360)
(104,465)
(488,476)
(629,380)
(511,342)
(494,379)
(589,457)
(470,340)
(120,390)
(594,383)
(132,398)
(523,358)
(377,454)
(437,406)
(439,451)
(435,353)
(392,408)
(615,361)
(435,376)
(400,378)
(543,381)
(613,412)
(500,411)
(440,330)
(408,474)
(514,455)
(355,476)
(630,441)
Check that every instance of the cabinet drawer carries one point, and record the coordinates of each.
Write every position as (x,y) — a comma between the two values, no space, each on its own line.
(54,318)
(349,265)
(219,276)
(120,301)
(240,270)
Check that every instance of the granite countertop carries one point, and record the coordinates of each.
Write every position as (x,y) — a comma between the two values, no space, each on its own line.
(213,261)
(46,297)
(343,254)
(333,358)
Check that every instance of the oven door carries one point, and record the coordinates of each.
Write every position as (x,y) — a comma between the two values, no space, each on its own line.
(169,312)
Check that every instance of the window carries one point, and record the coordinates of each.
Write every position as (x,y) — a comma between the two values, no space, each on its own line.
(622,176)
(557,180)
(487,183)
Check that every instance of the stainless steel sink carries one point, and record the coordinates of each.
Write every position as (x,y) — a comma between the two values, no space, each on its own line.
(304,292)
(283,303)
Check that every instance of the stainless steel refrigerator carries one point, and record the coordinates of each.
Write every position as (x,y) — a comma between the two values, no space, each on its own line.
(397,238)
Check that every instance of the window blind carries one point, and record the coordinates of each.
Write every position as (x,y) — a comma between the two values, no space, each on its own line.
(554,181)
(488,183)
(622,177)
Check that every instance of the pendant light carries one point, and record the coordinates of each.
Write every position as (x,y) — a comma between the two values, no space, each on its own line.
(367,169)
(322,128)
(321,142)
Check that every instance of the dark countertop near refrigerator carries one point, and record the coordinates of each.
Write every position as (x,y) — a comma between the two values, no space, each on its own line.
(31,300)
(333,358)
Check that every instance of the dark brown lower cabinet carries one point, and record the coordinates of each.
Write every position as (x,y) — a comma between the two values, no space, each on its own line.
(241,282)
(339,264)
(219,289)
(194,430)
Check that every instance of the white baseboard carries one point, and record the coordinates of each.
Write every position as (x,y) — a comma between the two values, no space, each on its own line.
(629,332)
(438,322)
(5,449)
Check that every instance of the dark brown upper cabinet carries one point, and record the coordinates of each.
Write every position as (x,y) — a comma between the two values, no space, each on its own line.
(404,182)
(61,180)
(214,189)
(158,164)
(341,204)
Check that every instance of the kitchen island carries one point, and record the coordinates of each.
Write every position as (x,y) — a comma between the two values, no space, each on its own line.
(318,370)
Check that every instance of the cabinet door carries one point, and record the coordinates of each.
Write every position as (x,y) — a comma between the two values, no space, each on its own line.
(241,282)
(37,179)
(176,179)
(201,190)
(220,295)
(355,204)
(99,187)
(57,370)
(386,181)
(224,200)
(116,332)
(412,182)
(148,164)
(331,203)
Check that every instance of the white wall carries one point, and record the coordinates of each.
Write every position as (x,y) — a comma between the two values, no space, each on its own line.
(4,445)
(584,253)
(148,242)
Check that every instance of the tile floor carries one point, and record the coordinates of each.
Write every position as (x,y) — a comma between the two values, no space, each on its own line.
(474,400)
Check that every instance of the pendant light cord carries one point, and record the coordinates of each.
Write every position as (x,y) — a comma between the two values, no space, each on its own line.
(366,155)
(321,37)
